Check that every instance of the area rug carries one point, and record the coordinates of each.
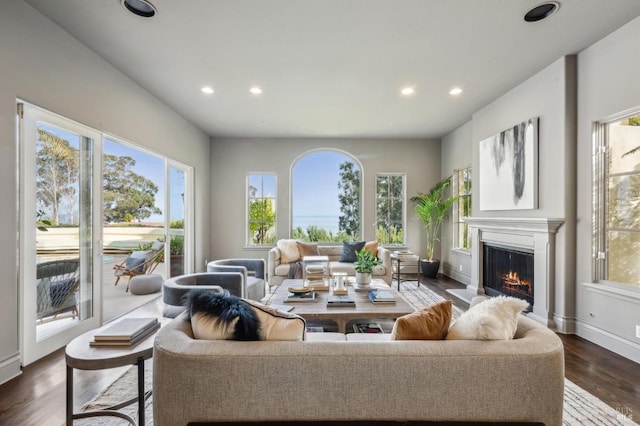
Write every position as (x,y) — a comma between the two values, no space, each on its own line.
(580,407)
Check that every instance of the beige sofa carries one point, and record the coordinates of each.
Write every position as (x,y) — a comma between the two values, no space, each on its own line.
(357,377)
(278,271)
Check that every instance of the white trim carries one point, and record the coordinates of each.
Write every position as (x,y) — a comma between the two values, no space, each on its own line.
(624,347)
(10,368)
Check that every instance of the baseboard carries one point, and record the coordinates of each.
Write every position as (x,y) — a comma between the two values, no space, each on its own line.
(456,275)
(464,294)
(565,325)
(609,341)
(10,368)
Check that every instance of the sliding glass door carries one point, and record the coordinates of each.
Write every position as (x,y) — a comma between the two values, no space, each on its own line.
(60,230)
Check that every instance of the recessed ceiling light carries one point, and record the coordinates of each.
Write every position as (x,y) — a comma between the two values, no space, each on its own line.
(142,8)
(407,91)
(455,91)
(207,90)
(255,90)
(542,11)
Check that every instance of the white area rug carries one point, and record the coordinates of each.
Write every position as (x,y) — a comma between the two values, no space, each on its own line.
(580,407)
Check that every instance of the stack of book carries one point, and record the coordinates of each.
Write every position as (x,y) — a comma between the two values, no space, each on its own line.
(295,297)
(381,296)
(373,328)
(126,332)
(340,300)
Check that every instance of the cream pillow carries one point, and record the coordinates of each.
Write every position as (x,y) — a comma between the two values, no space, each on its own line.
(307,249)
(429,323)
(276,324)
(494,319)
(288,251)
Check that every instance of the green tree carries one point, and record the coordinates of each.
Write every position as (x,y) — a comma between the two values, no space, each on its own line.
(389,208)
(262,219)
(349,198)
(126,192)
(56,175)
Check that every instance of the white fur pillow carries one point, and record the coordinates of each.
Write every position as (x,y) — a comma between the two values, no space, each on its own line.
(494,319)
(288,251)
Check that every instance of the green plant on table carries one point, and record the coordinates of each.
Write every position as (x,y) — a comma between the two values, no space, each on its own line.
(365,261)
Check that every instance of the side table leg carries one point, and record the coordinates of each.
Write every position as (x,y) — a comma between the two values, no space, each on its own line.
(141,391)
(69,396)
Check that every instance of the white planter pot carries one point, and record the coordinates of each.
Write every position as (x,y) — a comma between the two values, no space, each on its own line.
(363,279)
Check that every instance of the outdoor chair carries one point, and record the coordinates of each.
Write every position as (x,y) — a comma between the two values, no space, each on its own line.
(139,262)
(57,285)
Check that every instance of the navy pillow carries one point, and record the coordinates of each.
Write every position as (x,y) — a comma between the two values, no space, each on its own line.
(132,262)
(349,251)
(59,291)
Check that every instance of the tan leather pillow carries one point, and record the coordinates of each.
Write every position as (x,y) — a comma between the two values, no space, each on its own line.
(429,323)
(372,246)
(288,251)
(307,249)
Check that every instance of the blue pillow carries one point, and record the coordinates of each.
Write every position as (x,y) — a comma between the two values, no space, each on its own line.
(349,251)
(59,291)
(132,262)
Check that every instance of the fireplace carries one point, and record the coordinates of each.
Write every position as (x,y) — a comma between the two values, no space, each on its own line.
(508,272)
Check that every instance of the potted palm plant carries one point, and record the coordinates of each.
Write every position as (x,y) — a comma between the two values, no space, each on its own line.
(431,208)
(364,264)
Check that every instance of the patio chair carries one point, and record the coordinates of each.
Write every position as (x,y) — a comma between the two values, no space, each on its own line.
(57,285)
(139,262)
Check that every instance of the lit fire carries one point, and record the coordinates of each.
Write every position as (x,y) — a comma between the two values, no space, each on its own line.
(512,279)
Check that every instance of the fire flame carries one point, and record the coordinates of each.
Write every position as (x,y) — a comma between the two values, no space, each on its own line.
(512,278)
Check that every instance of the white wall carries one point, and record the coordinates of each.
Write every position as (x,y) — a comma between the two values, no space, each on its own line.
(456,154)
(608,85)
(45,66)
(232,159)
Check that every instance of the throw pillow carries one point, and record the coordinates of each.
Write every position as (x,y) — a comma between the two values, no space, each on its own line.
(349,251)
(372,246)
(134,263)
(220,316)
(276,324)
(60,290)
(288,251)
(307,249)
(494,319)
(429,323)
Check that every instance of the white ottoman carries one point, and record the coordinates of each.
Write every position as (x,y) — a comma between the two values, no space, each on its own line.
(146,284)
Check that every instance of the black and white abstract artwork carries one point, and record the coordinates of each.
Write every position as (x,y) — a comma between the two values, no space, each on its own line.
(508,168)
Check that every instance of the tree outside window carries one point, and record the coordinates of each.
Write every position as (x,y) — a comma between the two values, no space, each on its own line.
(261,204)
(462,188)
(390,202)
(619,233)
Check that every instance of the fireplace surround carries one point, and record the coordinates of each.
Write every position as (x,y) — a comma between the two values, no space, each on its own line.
(532,236)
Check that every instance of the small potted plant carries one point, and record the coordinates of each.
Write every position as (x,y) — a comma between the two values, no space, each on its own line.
(364,264)
(431,208)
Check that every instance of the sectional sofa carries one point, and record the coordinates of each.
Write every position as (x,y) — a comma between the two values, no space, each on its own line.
(357,377)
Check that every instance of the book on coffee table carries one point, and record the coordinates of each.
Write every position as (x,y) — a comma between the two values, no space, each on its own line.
(340,300)
(372,328)
(120,340)
(381,296)
(309,296)
(127,329)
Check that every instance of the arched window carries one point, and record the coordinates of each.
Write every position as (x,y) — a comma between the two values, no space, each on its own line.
(325,197)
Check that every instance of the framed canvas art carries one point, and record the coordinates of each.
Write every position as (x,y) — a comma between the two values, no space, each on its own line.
(508,168)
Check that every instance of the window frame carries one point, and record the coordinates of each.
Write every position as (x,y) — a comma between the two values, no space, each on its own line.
(457,221)
(404,207)
(248,238)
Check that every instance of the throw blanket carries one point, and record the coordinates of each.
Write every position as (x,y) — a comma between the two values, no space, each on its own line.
(295,270)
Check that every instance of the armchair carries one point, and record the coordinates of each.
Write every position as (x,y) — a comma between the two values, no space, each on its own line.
(253,275)
(174,290)
(139,262)
(57,285)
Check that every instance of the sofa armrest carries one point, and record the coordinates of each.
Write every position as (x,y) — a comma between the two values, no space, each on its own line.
(175,289)
(238,265)
(384,255)
(273,260)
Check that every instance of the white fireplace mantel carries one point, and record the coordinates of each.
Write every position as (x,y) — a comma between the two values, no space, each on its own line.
(535,234)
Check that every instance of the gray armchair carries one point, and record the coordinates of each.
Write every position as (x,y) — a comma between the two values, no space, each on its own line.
(174,290)
(253,274)
(57,285)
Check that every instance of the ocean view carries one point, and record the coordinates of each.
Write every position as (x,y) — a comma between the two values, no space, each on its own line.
(330,223)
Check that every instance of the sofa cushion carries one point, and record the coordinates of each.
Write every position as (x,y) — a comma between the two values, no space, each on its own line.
(493,319)
(372,246)
(288,251)
(134,263)
(307,249)
(216,316)
(349,250)
(430,323)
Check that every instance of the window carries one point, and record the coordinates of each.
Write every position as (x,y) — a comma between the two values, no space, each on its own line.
(462,188)
(390,202)
(617,201)
(325,197)
(261,208)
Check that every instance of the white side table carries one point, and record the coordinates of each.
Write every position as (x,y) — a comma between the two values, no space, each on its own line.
(80,355)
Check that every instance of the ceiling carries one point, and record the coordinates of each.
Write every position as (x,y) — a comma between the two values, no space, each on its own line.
(333,68)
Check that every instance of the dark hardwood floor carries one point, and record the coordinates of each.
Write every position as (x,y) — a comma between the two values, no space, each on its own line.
(37,397)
